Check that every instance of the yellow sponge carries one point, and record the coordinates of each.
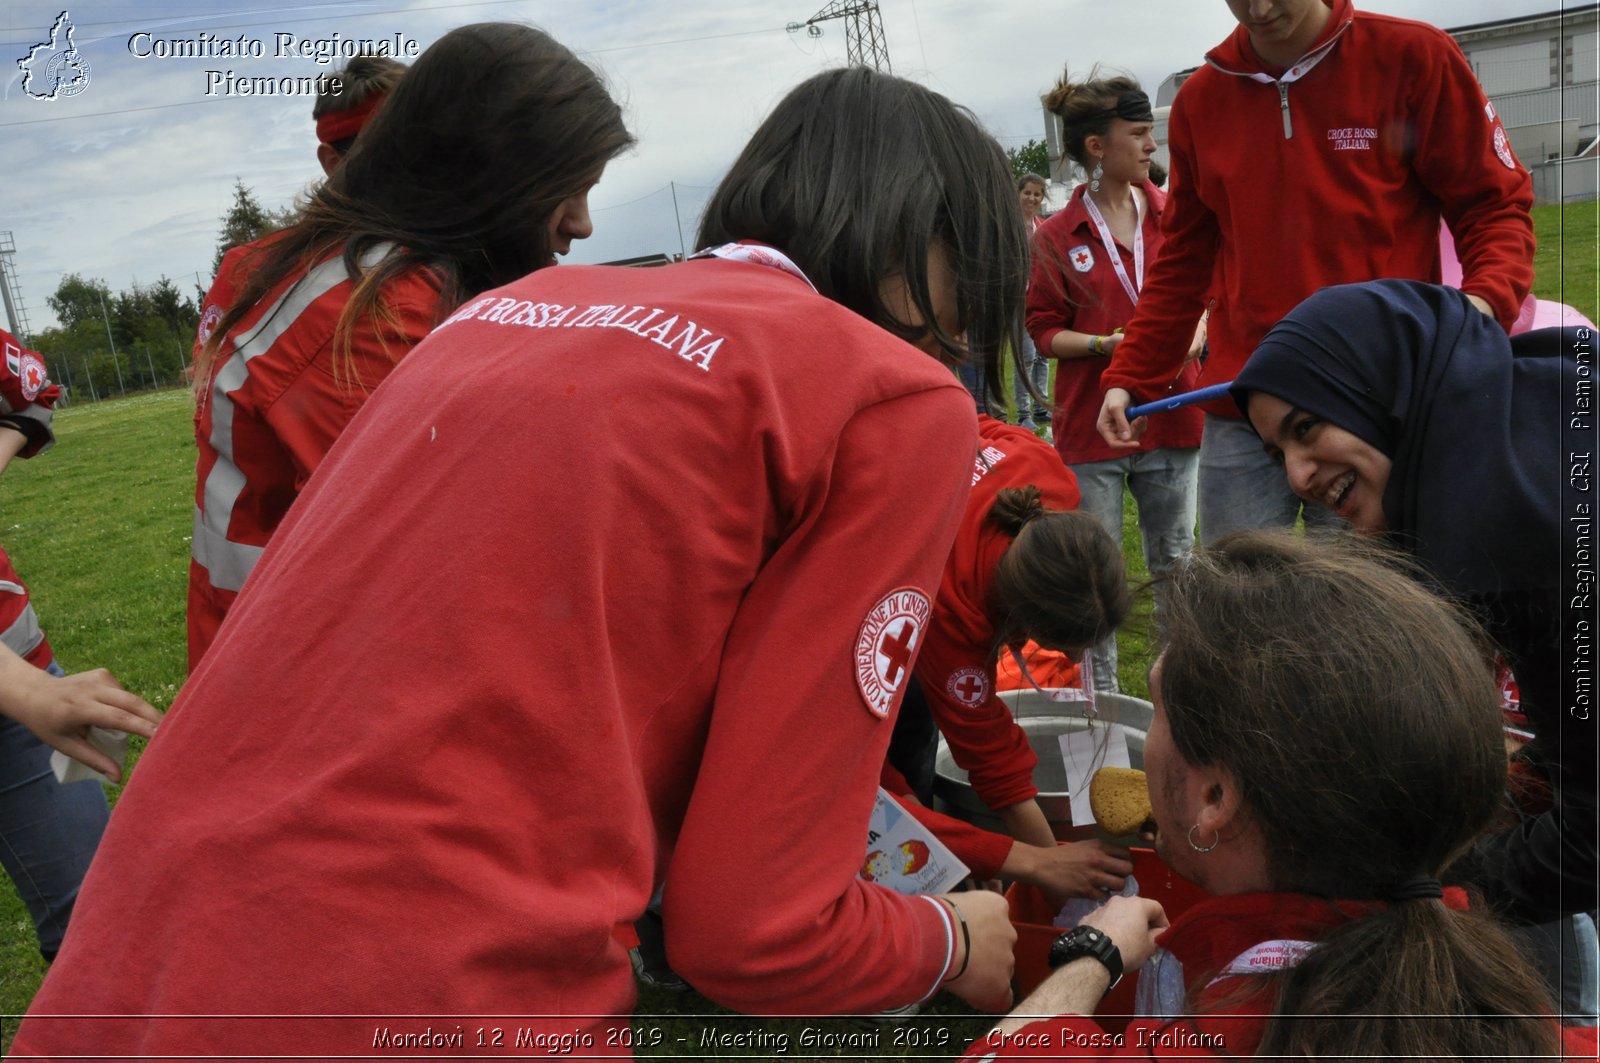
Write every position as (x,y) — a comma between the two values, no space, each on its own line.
(1120,798)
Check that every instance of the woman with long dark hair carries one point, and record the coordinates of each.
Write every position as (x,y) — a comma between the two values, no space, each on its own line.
(1326,741)
(475,171)
(634,619)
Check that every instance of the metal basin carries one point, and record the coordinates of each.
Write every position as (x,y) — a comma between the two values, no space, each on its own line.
(1044,721)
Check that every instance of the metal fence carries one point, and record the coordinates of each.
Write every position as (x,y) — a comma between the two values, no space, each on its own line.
(94,377)
(1566,180)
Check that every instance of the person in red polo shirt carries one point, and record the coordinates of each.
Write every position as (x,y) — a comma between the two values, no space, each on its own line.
(1089,264)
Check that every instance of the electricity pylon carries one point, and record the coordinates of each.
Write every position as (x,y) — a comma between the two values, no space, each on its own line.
(863,33)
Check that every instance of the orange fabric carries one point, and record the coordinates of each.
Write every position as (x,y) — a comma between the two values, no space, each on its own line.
(1049,668)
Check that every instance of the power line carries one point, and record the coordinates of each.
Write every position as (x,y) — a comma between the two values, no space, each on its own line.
(346,17)
(103,114)
(678,40)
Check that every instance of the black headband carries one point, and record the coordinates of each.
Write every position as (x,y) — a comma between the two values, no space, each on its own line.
(1133,105)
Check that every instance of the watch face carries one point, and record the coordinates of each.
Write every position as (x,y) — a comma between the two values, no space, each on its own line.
(1087,941)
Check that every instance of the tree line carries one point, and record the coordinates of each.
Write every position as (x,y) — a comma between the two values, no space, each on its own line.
(110,343)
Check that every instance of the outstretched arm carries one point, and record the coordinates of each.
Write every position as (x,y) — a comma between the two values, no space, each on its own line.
(60,711)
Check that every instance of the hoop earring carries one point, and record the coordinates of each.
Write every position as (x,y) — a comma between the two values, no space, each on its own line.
(1203,848)
(1094,178)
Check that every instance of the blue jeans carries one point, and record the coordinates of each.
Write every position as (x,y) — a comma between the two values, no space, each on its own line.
(1028,366)
(1566,953)
(1242,489)
(48,832)
(1163,486)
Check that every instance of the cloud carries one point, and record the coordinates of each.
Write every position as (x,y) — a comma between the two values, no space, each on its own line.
(129,178)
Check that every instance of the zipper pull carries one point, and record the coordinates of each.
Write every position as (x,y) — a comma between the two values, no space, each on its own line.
(1283,100)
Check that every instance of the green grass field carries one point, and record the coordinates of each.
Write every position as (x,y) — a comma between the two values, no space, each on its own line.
(99,528)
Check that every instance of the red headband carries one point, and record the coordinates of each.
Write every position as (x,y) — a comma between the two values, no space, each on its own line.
(342,125)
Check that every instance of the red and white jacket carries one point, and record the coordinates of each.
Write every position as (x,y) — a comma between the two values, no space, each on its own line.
(1074,286)
(19,625)
(27,399)
(279,394)
(1336,171)
(389,759)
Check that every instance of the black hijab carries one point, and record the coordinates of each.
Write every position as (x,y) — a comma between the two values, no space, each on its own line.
(1477,425)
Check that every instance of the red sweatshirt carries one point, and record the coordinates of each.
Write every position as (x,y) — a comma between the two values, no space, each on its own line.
(1337,172)
(388,791)
(957,667)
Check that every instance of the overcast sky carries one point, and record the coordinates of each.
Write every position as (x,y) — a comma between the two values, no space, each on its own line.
(127,179)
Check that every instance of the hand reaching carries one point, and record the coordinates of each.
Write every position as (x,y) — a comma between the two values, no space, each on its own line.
(60,711)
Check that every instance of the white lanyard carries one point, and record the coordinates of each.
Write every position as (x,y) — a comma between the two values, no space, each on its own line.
(760,255)
(1303,66)
(1134,286)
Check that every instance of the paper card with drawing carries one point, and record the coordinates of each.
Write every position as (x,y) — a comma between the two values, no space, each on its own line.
(1086,752)
(904,855)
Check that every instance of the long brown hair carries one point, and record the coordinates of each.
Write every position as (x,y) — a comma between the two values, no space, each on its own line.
(1358,714)
(1061,582)
(459,172)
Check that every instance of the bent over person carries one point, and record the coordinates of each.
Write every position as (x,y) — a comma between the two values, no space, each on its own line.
(341,819)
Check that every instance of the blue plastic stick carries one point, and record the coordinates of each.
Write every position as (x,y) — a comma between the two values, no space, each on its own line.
(1215,391)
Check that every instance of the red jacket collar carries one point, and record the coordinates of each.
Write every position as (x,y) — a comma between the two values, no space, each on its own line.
(1210,934)
(1236,55)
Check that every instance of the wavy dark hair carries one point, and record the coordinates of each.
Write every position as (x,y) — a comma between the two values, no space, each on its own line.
(488,132)
(1062,581)
(858,176)
(1358,714)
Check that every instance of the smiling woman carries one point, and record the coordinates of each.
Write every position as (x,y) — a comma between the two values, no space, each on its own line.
(1408,412)
(1324,463)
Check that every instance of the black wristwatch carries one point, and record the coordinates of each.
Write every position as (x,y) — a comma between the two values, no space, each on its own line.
(1083,941)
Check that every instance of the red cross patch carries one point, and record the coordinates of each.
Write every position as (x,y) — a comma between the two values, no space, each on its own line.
(888,640)
(1502,148)
(969,686)
(33,376)
(208,321)
(1082,258)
